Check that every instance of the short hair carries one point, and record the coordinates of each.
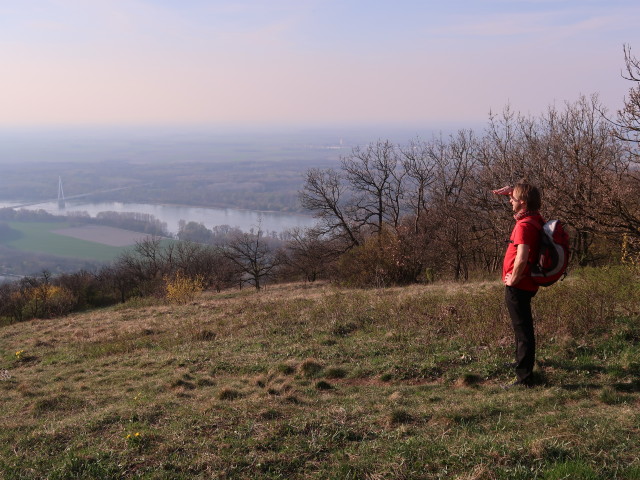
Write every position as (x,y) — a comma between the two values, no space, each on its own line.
(529,194)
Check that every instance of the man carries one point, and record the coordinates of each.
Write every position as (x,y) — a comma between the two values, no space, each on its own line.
(516,275)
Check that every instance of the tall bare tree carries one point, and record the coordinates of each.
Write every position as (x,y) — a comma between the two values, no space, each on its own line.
(376,183)
(456,163)
(419,165)
(253,256)
(325,194)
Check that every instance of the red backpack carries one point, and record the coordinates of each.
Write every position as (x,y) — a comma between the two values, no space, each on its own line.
(553,256)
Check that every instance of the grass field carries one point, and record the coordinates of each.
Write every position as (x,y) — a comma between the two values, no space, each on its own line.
(317,382)
(39,237)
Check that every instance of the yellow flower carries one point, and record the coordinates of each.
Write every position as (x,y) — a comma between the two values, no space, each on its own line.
(129,436)
(137,434)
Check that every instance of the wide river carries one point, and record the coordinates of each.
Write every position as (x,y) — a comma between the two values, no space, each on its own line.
(172,214)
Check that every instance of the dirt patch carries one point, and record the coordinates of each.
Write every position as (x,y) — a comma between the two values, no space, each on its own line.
(111,236)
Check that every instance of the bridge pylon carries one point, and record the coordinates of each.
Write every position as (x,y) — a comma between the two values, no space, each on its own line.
(61,202)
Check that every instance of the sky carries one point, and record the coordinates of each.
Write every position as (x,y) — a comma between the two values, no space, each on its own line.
(306,62)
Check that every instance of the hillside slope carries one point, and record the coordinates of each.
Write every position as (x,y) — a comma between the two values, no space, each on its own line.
(304,381)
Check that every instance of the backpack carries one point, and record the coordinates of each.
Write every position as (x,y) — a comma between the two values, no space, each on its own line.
(553,256)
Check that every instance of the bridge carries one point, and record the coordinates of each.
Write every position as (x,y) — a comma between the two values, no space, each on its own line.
(62,199)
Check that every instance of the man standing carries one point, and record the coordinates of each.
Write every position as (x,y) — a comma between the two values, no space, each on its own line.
(521,253)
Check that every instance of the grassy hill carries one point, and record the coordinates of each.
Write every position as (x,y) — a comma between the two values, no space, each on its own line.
(319,382)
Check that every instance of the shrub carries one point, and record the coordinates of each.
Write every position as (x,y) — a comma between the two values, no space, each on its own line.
(631,253)
(181,289)
(381,261)
(47,300)
(588,301)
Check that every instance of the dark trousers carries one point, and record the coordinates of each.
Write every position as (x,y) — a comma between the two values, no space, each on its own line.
(519,306)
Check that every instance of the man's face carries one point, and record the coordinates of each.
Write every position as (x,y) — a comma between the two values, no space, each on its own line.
(516,203)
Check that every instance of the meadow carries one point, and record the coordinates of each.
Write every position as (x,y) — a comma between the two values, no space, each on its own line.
(40,237)
(313,381)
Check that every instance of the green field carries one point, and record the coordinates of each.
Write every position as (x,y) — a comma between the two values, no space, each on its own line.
(38,237)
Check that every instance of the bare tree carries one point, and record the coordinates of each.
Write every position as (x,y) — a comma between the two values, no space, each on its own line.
(324,194)
(208,262)
(308,253)
(455,167)
(629,116)
(119,280)
(587,172)
(419,166)
(253,256)
(376,182)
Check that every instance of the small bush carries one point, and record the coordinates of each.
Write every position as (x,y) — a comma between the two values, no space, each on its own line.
(386,377)
(270,414)
(181,289)
(587,302)
(180,383)
(204,335)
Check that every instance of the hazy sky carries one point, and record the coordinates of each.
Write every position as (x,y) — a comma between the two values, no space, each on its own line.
(318,62)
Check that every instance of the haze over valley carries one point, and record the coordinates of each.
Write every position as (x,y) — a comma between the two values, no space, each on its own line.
(216,178)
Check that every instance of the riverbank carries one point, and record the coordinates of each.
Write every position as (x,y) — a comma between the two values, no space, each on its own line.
(172,214)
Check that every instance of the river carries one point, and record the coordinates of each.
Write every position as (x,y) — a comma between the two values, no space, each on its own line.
(172,214)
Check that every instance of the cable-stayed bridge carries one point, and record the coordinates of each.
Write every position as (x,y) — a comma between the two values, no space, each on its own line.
(62,199)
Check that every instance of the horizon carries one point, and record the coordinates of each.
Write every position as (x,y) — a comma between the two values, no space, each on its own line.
(90,143)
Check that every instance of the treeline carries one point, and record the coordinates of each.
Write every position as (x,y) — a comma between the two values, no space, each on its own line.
(159,267)
(134,221)
(154,267)
(404,213)
(401,211)
(24,215)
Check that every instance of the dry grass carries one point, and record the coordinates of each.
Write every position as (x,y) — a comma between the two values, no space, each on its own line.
(303,381)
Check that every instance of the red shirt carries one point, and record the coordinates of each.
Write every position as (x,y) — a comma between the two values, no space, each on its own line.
(524,233)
